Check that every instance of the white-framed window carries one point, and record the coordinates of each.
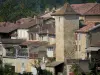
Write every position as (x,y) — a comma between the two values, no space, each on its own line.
(41,38)
(79,36)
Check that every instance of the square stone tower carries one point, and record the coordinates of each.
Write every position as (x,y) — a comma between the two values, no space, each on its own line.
(67,22)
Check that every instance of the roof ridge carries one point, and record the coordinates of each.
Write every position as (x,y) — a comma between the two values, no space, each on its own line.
(91,8)
(68,5)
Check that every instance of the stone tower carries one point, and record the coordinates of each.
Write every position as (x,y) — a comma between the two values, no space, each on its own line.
(66,21)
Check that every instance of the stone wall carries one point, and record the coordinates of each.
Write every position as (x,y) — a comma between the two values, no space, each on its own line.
(59,22)
(71,24)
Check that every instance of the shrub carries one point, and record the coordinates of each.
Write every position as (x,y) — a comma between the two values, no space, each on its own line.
(75,69)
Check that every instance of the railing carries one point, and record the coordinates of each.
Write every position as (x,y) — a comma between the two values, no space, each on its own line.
(33,55)
(23,52)
(17,53)
(11,41)
(10,54)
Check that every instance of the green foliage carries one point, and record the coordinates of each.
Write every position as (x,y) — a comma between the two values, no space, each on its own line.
(91,1)
(12,10)
(46,72)
(75,69)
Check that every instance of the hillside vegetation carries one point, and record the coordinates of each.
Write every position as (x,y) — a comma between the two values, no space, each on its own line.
(12,10)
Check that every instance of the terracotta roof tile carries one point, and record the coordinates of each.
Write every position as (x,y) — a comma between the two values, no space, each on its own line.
(89,25)
(75,6)
(82,9)
(7,27)
(26,23)
(87,8)
(65,10)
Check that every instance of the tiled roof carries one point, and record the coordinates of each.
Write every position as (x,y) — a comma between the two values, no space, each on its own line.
(34,43)
(82,9)
(65,10)
(54,64)
(7,27)
(26,23)
(75,6)
(89,25)
(87,8)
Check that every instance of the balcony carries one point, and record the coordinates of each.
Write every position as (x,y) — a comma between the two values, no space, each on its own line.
(22,52)
(33,55)
(15,52)
(11,41)
(10,54)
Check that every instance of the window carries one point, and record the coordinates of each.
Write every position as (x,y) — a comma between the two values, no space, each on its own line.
(31,36)
(79,36)
(50,48)
(41,38)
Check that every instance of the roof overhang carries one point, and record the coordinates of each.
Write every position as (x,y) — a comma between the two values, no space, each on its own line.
(90,49)
(54,64)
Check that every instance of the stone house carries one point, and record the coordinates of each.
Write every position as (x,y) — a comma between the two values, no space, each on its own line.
(45,31)
(18,44)
(67,21)
(94,45)
(9,48)
(88,20)
(23,27)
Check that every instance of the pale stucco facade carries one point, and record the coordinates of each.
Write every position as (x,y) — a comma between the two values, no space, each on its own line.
(81,44)
(19,63)
(23,34)
(59,22)
(82,41)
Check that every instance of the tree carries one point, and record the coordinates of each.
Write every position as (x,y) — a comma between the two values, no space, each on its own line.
(12,10)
